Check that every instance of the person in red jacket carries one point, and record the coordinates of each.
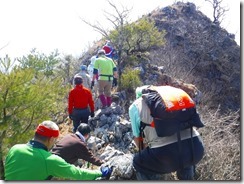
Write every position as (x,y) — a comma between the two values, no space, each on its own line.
(73,147)
(80,103)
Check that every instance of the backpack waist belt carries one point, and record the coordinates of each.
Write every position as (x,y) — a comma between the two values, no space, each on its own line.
(185,134)
(109,76)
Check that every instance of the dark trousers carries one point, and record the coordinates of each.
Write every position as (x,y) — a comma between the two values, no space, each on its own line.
(166,159)
(80,116)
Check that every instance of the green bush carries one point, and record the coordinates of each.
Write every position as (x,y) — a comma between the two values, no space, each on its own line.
(130,79)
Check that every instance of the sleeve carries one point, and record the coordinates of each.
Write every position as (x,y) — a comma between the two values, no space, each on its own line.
(85,154)
(135,120)
(57,167)
(91,101)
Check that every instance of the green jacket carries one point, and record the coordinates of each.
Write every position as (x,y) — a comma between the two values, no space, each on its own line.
(33,161)
(105,66)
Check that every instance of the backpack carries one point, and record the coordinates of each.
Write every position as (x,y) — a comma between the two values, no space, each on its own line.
(172,110)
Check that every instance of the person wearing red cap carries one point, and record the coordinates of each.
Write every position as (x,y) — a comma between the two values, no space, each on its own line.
(33,161)
(80,103)
(108,48)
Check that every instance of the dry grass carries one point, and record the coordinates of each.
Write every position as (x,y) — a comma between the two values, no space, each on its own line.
(221,137)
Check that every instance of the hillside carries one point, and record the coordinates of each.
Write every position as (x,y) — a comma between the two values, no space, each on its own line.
(200,56)
(201,53)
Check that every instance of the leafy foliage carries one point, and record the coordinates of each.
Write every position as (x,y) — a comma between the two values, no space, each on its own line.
(27,97)
(40,62)
(130,80)
(138,36)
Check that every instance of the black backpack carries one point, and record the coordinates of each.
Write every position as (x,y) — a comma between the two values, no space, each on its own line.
(172,109)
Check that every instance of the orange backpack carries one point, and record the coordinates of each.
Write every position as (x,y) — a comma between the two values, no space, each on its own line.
(172,109)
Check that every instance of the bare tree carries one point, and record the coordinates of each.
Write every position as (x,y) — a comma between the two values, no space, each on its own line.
(218,11)
(118,20)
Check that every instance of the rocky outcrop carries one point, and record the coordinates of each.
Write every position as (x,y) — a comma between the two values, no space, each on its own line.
(199,52)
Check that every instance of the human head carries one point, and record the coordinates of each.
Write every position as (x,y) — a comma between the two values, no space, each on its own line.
(139,90)
(47,132)
(84,129)
(108,43)
(78,80)
(83,68)
(101,52)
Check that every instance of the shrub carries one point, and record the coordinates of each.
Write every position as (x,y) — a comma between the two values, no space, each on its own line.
(130,79)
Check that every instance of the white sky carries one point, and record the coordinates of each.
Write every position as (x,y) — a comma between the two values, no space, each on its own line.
(55,24)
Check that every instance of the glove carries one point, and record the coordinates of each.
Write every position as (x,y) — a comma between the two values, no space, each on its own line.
(70,117)
(106,171)
(92,84)
(115,82)
(92,114)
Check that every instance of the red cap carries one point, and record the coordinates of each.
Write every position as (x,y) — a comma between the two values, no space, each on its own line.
(44,131)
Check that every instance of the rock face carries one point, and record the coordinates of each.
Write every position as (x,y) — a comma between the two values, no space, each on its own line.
(199,52)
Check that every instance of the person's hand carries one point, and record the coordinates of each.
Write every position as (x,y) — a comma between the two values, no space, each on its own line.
(70,117)
(92,114)
(115,83)
(92,84)
(106,171)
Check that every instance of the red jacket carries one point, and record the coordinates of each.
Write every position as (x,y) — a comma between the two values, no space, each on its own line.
(80,97)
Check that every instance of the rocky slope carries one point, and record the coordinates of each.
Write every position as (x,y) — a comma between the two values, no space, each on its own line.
(199,52)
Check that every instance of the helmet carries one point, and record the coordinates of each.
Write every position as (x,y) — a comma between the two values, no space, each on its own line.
(139,90)
(83,67)
(78,79)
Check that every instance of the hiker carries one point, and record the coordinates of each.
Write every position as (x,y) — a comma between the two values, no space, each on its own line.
(33,161)
(161,155)
(106,77)
(73,147)
(90,72)
(109,50)
(85,76)
(80,103)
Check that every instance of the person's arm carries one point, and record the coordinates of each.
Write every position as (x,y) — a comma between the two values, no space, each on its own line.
(95,70)
(91,101)
(88,80)
(85,154)
(115,73)
(57,167)
(135,123)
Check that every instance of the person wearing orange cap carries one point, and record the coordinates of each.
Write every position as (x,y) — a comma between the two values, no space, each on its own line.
(33,161)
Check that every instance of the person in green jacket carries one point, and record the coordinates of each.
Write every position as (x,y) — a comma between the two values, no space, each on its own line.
(33,161)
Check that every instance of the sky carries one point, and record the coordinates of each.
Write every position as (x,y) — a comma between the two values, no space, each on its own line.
(56,24)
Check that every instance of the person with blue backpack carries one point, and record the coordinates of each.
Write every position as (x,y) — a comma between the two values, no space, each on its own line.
(163,120)
(85,76)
